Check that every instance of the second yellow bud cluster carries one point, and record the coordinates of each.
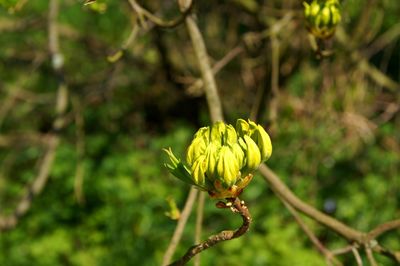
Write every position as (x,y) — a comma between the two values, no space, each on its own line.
(322,17)
(222,158)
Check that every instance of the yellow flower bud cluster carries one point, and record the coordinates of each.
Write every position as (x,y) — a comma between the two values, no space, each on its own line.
(322,16)
(221,158)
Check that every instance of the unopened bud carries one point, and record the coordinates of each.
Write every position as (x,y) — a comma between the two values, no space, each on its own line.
(322,16)
(221,158)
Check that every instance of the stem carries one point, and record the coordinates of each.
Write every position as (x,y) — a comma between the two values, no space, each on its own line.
(236,206)
(321,248)
(215,108)
(383,228)
(337,226)
(40,181)
(199,222)
(210,86)
(180,226)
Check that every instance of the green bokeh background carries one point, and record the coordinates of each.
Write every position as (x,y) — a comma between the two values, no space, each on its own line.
(333,140)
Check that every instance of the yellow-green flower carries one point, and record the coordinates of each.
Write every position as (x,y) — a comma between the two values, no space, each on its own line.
(221,159)
(322,16)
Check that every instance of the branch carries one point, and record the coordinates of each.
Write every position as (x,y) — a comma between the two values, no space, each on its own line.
(352,235)
(80,151)
(383,228)
(199,222)
(370,257)
(280,188)
(236,206)
(195,87)
(394,255)
(357,256)
(375,74)
(180,226)
(273,108)
(7,223)
(330,256)
(215,108)
(210,86)
(142,12)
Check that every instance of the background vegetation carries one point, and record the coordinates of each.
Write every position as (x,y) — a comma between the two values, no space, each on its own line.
(334,123)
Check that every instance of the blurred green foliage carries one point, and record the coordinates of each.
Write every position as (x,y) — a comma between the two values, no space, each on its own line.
(336,138)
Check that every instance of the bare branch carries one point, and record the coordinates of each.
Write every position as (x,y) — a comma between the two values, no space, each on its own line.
(215,108)
(199,222)
(330,257)
(383,228)
(176,237)
(236,206)
(195,88)
(210,86)
(370,257)
(142,12)
(40,181)
(357,256)
(335,225)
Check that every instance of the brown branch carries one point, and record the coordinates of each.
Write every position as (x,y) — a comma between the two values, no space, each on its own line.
(214,105)
(236,206)
(142,12)
(394,255)
(321,248)
(195,87)
(383,228)
(274,101)
(80,151)
(383,40)
(176,237)
(199,222)
(352,235)
(279,187)
(7,223)
(114,57)
(357,58)
(370,257)
(210,86)
(357,256)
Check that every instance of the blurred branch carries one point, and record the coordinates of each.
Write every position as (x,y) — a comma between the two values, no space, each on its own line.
(210,86)
(370,257)
(215,108)
(80,151)
(132,36)
(13,95)
(383,228)
(330,257)
(374,73)
(352,235)
(199,222)
(274,101)
(357,256)
(383,40)
(16,139)
(236,206)
(176,237)
(195,88)
(364,23)
(40,180)
(394,255)
(142,12)
(378,76)
(249,39)
(348,233)
(341,251)
(280,188)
